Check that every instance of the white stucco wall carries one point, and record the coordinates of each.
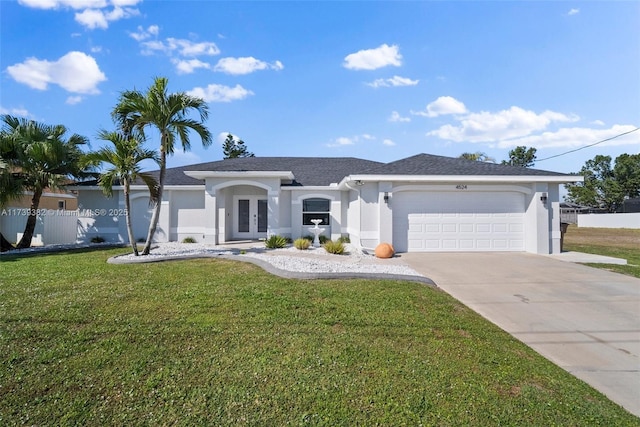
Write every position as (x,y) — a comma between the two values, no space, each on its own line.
(92,224)
(187,215)
(369,215)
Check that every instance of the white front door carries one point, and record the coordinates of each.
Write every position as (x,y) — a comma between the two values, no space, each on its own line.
(250,217)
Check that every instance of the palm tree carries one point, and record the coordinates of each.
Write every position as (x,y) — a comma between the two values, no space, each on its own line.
(477,157)
(168,114)
(9,190)
(39,158)
(124,159)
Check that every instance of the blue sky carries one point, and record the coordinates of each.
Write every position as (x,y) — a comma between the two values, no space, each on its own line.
(375,80)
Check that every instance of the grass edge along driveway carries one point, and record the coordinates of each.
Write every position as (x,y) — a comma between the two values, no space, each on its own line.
(219,342)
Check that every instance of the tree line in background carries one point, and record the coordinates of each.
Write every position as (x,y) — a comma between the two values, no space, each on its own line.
(35,157)
(606,186)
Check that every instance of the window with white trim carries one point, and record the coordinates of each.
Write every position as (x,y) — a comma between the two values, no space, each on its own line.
(315,208)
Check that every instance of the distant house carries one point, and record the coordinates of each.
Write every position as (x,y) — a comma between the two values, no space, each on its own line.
(419,204)
(56,200)
(631,205)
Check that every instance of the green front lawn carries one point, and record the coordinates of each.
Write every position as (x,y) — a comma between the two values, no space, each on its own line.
(216,342)
(615,242)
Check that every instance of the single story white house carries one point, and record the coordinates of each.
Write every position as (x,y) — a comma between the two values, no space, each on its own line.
(419,204)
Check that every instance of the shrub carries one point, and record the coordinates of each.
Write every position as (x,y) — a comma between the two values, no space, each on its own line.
(332,247)
(344,239)
(189,240)
(97,239)
(322,238)
(275,241)
(302,243)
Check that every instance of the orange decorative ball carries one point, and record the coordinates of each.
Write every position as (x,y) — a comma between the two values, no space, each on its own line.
(384,250)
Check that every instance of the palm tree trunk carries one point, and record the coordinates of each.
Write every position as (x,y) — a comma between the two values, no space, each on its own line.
(156,211)
(5,245)
(127,206)
(27,236)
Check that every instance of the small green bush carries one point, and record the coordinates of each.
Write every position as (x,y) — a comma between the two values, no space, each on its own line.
(302,243)
(189,240)
(97,239)
(344,239)
(323,239)
(332,247)
(276,241)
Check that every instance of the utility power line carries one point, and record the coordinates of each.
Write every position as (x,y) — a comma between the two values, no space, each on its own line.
(587,146)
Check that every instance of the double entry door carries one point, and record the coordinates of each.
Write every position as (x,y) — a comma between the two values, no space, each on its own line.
(250,220)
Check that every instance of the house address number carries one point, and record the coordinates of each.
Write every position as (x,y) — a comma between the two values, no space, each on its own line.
(461,187)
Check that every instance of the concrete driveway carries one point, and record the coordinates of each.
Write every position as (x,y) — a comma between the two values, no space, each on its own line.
(585,320)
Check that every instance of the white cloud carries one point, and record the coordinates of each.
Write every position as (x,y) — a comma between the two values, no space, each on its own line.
(182,47)
(577,137)
(75,72)
(94,13)
(350,140)
(506,124)
(220,93)
(597,123)
(343,140)
(19,112)
(56,4)
(96,49)
(189,66)
(92,18)
(388,143)
(371,59)
(73,100)
(222,136)
(123,3)
(573,12)
(245,65)
(393,82)
(396,117)
(444,105)
(143,34)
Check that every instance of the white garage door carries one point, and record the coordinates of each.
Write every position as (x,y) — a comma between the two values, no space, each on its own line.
(460,221)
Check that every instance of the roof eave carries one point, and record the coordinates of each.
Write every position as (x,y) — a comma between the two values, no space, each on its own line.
(240,174)
(559,179)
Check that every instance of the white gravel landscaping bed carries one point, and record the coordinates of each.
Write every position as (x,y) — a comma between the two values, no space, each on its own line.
(312,260)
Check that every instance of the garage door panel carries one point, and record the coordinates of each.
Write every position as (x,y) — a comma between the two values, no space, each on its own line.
(466,228)
(449,228)
(466,243)
(483,228)
(500,228)
(481,221)
(432,228)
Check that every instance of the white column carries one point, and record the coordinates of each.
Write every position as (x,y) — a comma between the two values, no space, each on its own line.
(553,204)
(210,216)
(385,217)
(273,212)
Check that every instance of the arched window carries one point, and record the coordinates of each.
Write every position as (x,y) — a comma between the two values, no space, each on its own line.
(315,208)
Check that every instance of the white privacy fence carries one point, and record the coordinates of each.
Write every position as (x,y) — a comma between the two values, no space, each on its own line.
(53,227)
(613,220)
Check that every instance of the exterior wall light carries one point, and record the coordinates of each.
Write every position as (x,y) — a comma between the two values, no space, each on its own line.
(543,198)
(386,197)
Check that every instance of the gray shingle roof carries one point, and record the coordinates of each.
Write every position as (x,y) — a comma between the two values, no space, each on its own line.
(429,164)
(323,171)
(308,171)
